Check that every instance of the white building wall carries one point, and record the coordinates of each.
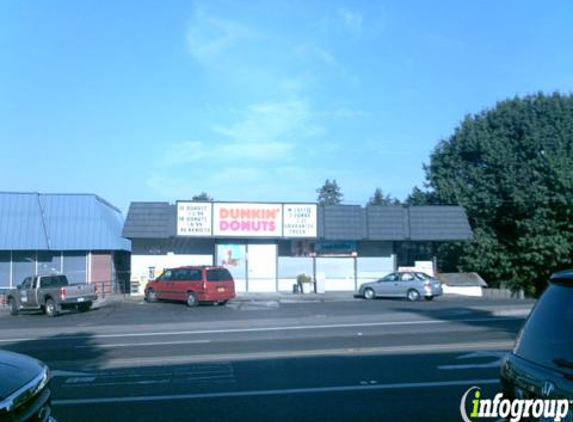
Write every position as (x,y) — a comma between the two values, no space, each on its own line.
(141,264)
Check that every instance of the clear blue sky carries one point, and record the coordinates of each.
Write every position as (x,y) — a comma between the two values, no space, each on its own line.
(257,100)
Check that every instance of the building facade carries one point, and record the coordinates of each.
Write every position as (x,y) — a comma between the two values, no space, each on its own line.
(75,234)
(267,245)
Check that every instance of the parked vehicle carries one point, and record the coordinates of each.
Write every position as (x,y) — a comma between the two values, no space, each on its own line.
(24,389)
(411,285)
(541,363)
(51,294)
(192,285)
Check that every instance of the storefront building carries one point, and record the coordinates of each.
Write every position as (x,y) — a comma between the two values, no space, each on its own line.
(75,234)
(267,245)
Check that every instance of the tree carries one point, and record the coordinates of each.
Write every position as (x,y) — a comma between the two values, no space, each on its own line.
(329,193)
(421,197)
(380,199)
(510,167)
(202,197)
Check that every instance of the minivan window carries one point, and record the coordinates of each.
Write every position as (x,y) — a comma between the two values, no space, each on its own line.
(187,275)
(218,274)
(547,337)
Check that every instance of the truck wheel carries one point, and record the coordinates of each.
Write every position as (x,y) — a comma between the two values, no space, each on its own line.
(13,305)
(84,307)
(52,309)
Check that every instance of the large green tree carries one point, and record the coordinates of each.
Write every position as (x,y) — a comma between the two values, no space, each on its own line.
(329,193)
(511,167)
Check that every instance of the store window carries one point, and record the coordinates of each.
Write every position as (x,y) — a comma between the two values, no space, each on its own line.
(49,262)
(75,266)
(23,265)
(5,270)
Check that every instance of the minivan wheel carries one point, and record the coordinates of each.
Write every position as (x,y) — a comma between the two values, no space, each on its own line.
(369,293)
(222,302)
(13,305)
(191,300)
(413,295)
(150,296)
(51,308)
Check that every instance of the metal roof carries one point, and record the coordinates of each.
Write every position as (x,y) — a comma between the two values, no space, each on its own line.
(158,220)
(35,221)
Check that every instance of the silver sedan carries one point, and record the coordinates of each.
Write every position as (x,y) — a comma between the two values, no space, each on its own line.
(411,285)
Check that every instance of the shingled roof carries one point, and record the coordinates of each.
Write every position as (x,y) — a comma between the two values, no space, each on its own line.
(158,220)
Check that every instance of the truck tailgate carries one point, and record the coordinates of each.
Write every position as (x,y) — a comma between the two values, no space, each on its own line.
(79,290)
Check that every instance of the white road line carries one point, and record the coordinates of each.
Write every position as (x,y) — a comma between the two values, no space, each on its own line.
(163,343)
(251,393)
(267,329)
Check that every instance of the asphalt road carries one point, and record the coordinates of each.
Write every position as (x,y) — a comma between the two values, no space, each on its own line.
(267,360)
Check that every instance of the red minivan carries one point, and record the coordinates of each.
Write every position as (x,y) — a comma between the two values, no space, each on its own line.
(192,285)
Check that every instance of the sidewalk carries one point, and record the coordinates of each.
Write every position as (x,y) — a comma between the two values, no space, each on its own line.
(252,297)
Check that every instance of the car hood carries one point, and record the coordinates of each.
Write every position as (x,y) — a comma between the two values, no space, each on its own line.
(16,370)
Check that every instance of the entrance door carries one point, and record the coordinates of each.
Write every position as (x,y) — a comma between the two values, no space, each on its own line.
(262,260)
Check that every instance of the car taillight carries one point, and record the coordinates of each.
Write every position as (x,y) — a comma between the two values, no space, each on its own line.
(63,292)
(427,284)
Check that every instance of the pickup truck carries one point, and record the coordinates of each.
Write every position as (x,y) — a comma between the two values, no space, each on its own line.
(51,294)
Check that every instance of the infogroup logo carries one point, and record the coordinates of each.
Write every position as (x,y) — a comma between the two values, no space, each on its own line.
(515,409)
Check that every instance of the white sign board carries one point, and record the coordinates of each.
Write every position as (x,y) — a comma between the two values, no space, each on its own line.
(194,219)
(299,220)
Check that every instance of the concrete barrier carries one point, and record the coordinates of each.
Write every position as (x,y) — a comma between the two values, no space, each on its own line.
(490,293)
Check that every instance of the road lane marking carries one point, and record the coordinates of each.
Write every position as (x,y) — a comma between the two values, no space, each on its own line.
(161,343)
(375,350)
(498,356)
(278,392)
(267,329)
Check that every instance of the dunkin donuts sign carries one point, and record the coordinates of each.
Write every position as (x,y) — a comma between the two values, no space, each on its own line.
(247,220)
(207,219)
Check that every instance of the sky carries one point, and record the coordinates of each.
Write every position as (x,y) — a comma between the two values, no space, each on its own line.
(256,101)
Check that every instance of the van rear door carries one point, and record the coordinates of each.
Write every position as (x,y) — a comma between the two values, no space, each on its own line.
(220,284)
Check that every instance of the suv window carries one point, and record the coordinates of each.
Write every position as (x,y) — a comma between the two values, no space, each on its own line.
(218,274)
(547,338)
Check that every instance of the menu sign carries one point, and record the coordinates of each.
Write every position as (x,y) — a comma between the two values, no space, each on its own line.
(194,219)
(299,220)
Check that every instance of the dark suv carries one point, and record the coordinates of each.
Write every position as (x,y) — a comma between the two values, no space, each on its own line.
(24,389)
(541,363)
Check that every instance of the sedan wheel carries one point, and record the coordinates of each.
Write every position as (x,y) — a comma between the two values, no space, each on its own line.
(369,293)
(413,295)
